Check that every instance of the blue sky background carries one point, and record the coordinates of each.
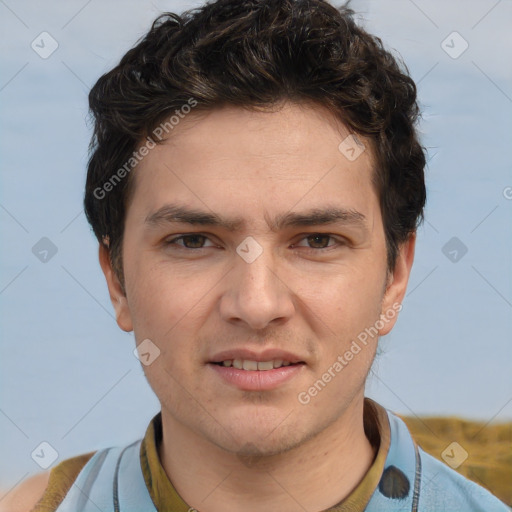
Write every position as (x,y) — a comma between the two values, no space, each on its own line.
(68,375)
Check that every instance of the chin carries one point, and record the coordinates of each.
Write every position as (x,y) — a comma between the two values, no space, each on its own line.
(263,441)
(251,452)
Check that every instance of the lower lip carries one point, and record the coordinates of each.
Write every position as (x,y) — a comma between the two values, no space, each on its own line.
(257,380)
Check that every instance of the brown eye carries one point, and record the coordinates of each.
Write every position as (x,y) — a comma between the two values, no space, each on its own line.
(319,241)
(192,241)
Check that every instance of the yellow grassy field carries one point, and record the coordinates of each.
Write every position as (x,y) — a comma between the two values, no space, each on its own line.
(489,448)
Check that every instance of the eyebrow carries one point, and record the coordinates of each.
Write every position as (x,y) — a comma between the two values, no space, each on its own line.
(172,213)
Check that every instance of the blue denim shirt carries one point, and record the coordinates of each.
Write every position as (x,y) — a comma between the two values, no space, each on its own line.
(412,481)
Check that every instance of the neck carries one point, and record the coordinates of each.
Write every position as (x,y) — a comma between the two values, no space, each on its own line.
(316,475)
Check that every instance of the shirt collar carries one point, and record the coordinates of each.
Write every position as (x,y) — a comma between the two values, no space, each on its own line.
(165,497)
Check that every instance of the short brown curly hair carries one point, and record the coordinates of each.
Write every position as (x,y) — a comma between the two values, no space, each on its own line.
(256,54)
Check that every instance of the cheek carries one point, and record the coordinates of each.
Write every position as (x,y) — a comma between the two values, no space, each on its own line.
(166,300)
(346,298)
(153,299)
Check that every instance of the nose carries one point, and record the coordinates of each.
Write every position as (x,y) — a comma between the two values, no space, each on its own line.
(256,295)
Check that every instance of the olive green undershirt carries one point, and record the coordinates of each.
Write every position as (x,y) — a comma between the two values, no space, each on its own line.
(165,497)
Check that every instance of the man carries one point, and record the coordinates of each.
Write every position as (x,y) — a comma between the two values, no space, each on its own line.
(255,186)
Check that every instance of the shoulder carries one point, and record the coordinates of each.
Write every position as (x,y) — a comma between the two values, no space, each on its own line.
(45,491)
(445,489)
(24,497)
(437,486)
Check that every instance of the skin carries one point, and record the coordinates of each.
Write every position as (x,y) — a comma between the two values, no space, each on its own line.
(231,447)
(223,447)
(24,497)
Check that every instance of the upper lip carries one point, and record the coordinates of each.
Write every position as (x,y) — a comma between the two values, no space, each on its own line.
(249,355)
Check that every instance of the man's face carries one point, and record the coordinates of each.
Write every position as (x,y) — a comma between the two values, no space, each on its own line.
(270,286)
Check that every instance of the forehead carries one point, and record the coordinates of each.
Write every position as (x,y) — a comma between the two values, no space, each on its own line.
(236,158)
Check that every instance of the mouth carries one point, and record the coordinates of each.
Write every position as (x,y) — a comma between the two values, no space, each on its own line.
(250,365)
(250,371)
(245,359)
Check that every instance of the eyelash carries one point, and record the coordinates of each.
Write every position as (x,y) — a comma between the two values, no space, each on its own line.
(173,241)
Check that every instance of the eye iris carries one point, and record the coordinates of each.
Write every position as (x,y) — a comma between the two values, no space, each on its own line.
(196,245)
(316,238)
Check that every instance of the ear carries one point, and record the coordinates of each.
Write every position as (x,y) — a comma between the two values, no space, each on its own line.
(117,295)
(397,285)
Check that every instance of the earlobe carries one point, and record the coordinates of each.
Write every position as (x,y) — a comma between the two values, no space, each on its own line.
(397,284)
(116,292)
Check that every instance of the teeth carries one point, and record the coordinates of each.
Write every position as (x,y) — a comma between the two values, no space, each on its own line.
(244,364)
(250,365)
(265,365)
